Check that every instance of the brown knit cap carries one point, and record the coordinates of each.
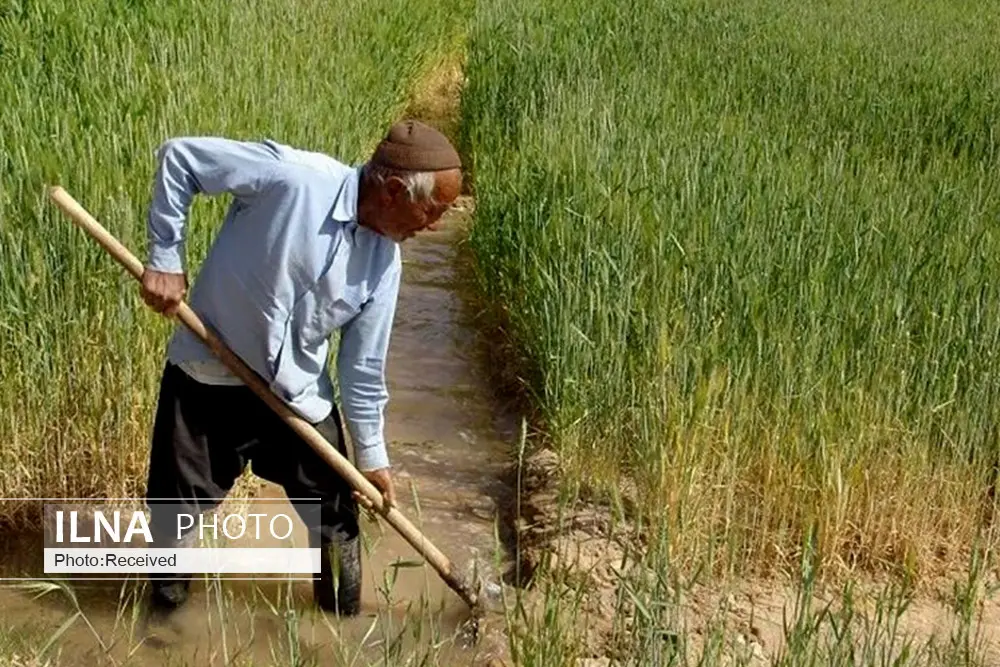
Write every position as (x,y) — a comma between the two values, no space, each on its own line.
(412,146)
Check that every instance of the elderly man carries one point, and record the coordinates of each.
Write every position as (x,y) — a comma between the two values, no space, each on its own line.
(309,246)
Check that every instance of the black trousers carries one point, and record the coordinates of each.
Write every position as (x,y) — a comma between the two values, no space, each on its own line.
(205,435)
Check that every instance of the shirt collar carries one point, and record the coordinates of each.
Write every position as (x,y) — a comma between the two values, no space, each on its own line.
(345,209)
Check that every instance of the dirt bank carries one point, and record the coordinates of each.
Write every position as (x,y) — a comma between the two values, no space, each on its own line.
(584,547)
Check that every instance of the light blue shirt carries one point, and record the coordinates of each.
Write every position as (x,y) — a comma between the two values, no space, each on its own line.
(289,267)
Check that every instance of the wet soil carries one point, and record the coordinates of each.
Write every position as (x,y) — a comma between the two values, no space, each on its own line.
(450,444)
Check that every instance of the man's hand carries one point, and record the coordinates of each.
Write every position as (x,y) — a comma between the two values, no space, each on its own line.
(163,292)
(382,480)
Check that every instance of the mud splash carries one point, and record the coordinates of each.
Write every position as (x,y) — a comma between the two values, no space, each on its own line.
(449,445)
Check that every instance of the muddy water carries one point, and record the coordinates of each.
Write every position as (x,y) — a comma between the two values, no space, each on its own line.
(449,443)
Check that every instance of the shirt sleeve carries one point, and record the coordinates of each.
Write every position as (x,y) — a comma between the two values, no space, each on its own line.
(361,357)
(199,165)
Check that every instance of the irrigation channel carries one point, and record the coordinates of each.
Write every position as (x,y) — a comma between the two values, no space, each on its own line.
(450,444)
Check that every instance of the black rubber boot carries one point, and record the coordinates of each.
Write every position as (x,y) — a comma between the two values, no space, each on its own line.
(338,588)
(168,595)
(169,590)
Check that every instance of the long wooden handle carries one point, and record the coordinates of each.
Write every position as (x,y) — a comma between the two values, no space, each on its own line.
(393,516)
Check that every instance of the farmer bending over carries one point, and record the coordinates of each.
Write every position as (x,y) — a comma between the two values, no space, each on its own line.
(309,246)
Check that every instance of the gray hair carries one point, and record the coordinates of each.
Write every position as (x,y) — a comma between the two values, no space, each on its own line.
(419,184)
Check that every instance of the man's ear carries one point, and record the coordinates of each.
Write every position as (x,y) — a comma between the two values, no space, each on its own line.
(393,187)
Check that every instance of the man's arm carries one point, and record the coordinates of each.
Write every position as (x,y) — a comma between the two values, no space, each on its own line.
(364,346)
(188,166)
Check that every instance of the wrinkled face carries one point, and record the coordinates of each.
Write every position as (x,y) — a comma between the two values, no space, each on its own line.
(402,218)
